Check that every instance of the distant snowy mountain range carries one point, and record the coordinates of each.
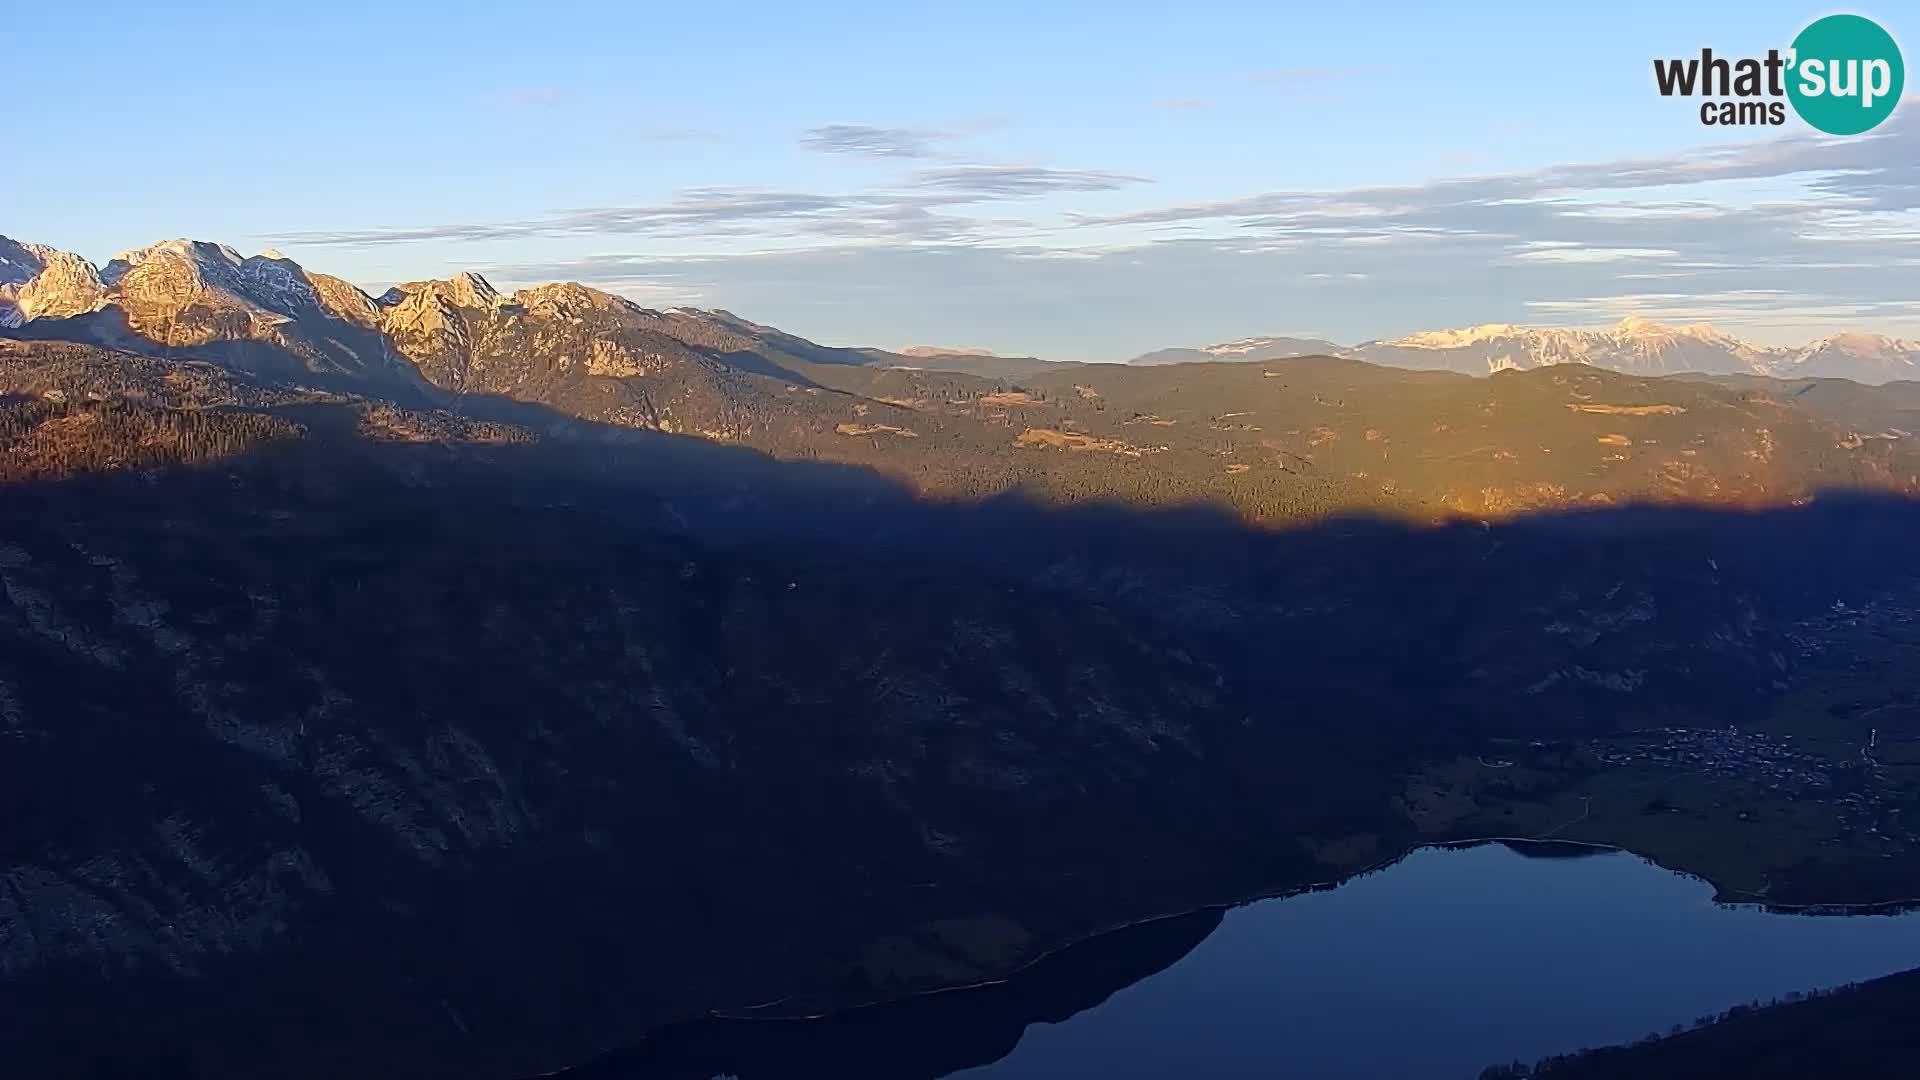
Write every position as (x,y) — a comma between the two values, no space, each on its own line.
(1635,346)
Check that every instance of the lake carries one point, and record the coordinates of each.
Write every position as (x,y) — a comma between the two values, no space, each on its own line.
(1445,962)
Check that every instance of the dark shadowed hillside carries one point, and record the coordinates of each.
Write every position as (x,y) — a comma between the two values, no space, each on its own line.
(345,726)
(1864,1032)
(456,684)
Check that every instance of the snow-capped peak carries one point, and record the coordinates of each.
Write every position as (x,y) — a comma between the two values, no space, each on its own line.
(1645,346)
(1456,339)
(192,250)
(1863,357)
(1859,341)
(1634,326)
(1634,344)
(198,258)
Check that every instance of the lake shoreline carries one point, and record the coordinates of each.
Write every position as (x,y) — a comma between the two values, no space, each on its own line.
(767,1012)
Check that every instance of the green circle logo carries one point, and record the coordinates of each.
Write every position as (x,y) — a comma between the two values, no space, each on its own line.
(1846,74)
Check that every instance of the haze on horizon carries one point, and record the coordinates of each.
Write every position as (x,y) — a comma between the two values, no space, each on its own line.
(1105,181)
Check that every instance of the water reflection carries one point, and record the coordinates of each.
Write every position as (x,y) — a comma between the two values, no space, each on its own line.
(920,1038)
(1436,966)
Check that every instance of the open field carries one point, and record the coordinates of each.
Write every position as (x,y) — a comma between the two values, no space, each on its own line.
(1817,801)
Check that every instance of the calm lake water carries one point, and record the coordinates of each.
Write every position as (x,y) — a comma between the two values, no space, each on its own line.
(1437,966)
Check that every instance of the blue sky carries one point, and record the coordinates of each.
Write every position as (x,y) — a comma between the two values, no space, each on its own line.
(1077,181)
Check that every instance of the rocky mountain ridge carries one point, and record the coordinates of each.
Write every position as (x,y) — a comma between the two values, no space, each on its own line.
(1278,442)
(184,293)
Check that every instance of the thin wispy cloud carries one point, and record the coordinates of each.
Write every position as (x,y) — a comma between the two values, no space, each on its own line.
(1873,172)
(865,141)
(1750,308)
(917,209)
(1011,181)
(1571,252)
(1183,104)
(1787,236)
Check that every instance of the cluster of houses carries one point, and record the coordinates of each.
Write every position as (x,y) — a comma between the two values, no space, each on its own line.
(1728,753)
(1777,764)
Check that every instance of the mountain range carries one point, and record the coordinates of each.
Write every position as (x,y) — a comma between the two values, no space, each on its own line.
(185,293)
(450,683)
(1254,348)
(1635,346)
(1273,439)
